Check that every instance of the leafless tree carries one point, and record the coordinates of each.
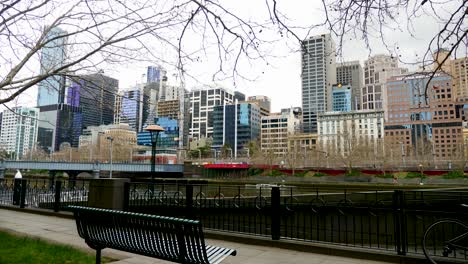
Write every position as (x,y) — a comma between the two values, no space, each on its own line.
(99,34)
(370,19)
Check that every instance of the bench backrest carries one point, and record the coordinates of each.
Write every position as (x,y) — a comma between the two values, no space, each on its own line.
(169,238)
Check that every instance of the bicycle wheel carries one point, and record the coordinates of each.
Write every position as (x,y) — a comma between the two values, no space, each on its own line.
(444,238)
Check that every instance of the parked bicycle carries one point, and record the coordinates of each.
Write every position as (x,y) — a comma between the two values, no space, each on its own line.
(446,240)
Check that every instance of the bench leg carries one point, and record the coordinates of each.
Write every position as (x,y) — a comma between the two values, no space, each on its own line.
(98,256)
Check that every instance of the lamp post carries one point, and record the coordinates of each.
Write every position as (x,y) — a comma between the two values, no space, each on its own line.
(199,156)
(154,131)
(421,174)
(111,139)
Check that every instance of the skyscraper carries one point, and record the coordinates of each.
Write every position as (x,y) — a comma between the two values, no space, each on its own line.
(202,103)
(423,127)
(53,54)
(155,74)
(19,130)
(350,73)
(95,94)
(377,70)
(137,106)
(318,75)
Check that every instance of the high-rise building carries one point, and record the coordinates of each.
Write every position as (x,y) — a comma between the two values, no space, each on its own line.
(240,97)
(58,123)
(155,74)
(202,103)
(135,104)
(318,75)
(169,109)
(167,140)
(95,94)
(276,128)
(459,73)
(53,54)
(341,98)
(423,127)
(377,70)
(262,101)
(350,73)
(235,125)
(19,130)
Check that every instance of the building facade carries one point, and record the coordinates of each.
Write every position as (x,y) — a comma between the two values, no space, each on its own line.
(351,73)
(19,131)
(138,106)
(342,98)
(262,101)
(275,130)
(202,103)
(95,94)
(425,128)
(318,75)
(52,89)
(168,140)
(235,126)
(341,132)
(377,70)
(169,108)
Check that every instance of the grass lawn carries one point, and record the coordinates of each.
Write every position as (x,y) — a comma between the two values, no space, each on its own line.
(24,250)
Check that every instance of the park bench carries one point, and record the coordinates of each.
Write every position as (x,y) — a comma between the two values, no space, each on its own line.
(168,238)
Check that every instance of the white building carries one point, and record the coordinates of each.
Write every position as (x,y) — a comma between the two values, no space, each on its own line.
(202,103)
(338,130)
(318,75)
(377,70)
(276,128)
(19,130)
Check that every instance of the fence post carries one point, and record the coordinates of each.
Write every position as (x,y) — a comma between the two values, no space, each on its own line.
(24,185)
(126,196)
(189,200)
(16,191)
(275,213)
(58,190)
(399,217)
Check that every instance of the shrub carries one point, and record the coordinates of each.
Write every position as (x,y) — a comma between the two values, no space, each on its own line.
(413,175)
(276,173)
(353,173)
(301,173)
(385,175)
(254,171)
(454,175)
(319,174)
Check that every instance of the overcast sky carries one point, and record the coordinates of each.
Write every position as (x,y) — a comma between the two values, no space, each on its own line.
(280,79)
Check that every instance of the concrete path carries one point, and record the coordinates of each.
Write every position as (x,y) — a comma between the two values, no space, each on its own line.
(63,231)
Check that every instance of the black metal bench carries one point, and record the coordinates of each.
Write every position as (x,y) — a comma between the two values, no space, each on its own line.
(168,238)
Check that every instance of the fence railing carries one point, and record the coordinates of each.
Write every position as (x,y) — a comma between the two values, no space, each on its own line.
(43,194)
(392,221)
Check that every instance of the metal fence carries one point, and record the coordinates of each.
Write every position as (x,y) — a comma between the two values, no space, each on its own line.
(392,221)
(43,194)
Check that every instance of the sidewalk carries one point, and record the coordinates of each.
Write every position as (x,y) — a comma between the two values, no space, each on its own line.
(63,231)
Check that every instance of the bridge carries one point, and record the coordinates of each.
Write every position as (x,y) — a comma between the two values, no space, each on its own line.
(75,168)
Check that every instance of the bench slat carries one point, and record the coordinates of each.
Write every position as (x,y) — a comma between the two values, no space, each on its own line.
(173,239)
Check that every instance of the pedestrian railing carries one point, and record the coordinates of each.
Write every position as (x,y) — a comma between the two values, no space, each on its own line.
(392,221)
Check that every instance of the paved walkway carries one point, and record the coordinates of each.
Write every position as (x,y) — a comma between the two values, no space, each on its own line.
(63,231)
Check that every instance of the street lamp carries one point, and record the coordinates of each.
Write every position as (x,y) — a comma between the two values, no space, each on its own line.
(111,139)
(154,132)
(421,174)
